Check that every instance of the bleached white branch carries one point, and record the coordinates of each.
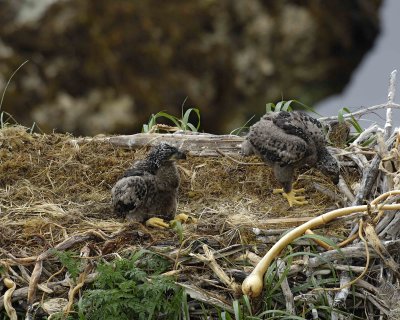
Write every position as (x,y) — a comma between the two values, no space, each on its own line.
(363,111)
(365,135)
(391,94)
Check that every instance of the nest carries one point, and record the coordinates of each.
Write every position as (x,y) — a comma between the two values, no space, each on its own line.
(55,195)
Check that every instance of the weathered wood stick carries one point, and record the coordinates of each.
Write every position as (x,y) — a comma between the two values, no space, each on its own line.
(363,111)
(350,252)
(287,293)
(209,259)
(205,296)
(195,144)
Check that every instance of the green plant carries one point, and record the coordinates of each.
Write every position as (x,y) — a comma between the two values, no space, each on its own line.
(178,228)
(180,123)
(351,119)
(71,263)
(9,80)
(132,289)
(2,114)
(288,106)
(356,125)
(237,131)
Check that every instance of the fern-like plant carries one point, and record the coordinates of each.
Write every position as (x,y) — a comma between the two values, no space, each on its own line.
(132,289)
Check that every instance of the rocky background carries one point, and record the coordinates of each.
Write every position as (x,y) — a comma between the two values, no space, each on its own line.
(100,66)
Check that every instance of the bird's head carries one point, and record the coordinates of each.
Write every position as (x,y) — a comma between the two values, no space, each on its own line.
(163,153)
(328,165)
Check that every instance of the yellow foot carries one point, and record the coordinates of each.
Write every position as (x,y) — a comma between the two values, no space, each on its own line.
(160,223)
(291,196)
(157,223)
(184,218)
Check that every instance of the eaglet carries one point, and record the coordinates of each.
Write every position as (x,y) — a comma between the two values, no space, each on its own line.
(287,140)
(149,189)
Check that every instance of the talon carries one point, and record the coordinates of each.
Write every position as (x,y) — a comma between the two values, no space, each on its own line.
(157,223)
(184,218)
(275,191)
(291,196)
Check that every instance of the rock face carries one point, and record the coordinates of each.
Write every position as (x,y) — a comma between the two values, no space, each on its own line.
(104,67)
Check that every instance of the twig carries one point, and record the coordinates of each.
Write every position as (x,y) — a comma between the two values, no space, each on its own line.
(287,293)
(341,296)
(219,272)
(366,294)
(344,189)
(250,257)
(365,135)
(37,271)
(370,176)
(392,229)
(362,111)
(206,297)
(354,251)
(368,180)
(57,287)
(375,242)
(85,251)
(7,298)
(358,158)
(391,94)
(329,193)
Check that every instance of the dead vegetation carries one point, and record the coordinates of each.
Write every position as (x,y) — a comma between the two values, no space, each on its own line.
(55,194)
(55,197)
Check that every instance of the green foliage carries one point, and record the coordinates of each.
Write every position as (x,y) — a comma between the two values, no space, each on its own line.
(239,130)
(356,125)
(351,120)
(181,123)
(3,122)
(71,263)
(289,105)
(8,82)
(132,289)
(178,228)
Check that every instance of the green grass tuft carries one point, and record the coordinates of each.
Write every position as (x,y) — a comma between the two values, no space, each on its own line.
(180,123)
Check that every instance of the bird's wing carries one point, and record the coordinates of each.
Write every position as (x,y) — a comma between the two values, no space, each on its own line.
(129,193)
(134,172)
(279,139)
(139,168)
(301,125)
(292,124)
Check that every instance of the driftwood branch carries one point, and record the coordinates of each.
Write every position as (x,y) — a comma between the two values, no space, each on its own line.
(387,179)
(355,251)
(286,288)
(209,259)
(194,144)
(363,111)
(391,94)
(204,296)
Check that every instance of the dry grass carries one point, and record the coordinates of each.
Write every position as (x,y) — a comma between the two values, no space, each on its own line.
(51,189)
